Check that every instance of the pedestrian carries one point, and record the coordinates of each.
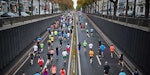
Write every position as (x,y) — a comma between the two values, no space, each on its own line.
(57,52)
(102,48)
(99,42)
(51,54)
(23,73)
(121,60)
(112,49)
(106,68)
(35,48)
(53,69)
(135,72)
(37,73)
(45,71)
(91,30)
(122,72)
(49,43)
(62,71)
(79,46)
(64,54)
(91,45)
(84,44)
(41,46)
(68,48)
(31,58)
(40,62)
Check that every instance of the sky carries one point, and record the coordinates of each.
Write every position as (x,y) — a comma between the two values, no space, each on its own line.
(74,3)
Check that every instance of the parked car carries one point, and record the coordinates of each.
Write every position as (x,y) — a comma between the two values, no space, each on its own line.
(9,14)
(24,14)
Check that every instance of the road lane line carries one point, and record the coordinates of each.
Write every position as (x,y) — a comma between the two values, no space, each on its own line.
(79,65)
(70,54)
(99,62)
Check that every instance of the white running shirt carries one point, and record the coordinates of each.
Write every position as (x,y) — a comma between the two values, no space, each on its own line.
(64,53)
(90,45)
(35,47)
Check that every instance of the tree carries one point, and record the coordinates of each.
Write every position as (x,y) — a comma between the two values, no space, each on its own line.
(127,7)
(147,8)
(115,6)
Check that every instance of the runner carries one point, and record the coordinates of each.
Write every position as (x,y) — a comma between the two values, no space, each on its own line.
(84,44)
(49,43)
(48,57)
(91,54)
(45,71)
(102,48)
(79,46)
(53,70)
(51,54)
(37,73)
(86,24)
(112,49)
(40,62)
(62,71)
(99,42)
(87,33)
(122,72)
(52,40)
(121,60)
(68,48)
(135,72)
(31,58)
(91,30)
(106,68)
(60,41)
(57,52)
(64,54)
(35,48)
(90,45)
(41,46)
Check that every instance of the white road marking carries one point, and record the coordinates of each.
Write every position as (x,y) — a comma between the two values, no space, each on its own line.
(99,62)
(79,65)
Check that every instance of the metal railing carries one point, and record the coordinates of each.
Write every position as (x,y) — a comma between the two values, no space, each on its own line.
(11,20)
(131,20)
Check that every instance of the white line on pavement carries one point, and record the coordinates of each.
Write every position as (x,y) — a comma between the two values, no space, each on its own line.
(79,65)
(98,60)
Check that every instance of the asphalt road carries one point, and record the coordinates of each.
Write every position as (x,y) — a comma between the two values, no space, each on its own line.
(86,68)
(95,68)
(31,70)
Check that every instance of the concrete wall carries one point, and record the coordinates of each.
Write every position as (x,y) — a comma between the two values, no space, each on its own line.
(14,41)
(134,43)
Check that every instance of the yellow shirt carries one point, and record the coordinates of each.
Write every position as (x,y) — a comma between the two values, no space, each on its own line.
(52,38)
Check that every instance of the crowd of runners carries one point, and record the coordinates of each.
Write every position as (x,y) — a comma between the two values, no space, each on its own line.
(62,30)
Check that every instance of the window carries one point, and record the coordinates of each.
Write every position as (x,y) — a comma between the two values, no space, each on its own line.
(141,9)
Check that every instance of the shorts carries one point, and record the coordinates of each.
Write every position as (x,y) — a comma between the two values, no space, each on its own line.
(41,65)
(84,46)
(49,44)
(106,72)
(91,57)
(51,55)
(64,57)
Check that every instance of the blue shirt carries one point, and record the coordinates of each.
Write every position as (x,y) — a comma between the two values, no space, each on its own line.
(102,47)
(122,73)
(39,39)
(48,29)
(37,74)
(91,30)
